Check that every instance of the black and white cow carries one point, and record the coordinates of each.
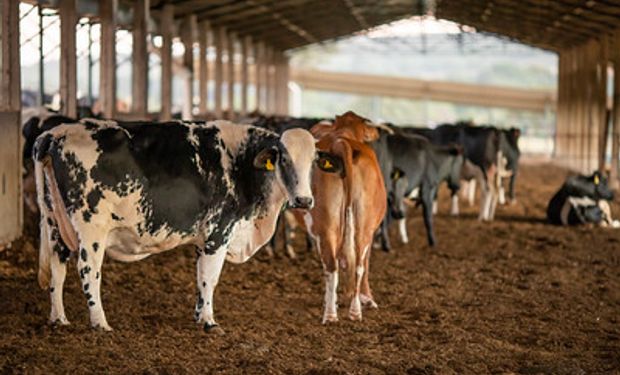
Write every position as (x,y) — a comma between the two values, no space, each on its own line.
(481,149)
(137,189)
(413,168)
(582,200)
(508,167)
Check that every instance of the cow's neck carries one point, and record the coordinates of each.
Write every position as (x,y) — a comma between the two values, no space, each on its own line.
(249,235)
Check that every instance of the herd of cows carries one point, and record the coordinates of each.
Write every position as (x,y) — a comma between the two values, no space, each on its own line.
(133,189)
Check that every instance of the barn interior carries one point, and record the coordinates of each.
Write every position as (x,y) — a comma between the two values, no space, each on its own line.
(249,72)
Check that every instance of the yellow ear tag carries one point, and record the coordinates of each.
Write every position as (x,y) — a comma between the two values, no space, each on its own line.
(596,180)
(269,165)
(327,164)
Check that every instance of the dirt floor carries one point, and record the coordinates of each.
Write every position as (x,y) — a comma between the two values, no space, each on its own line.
(515,295)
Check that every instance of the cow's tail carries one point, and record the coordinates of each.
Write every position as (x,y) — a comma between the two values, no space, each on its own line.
(343,149)
(53,211)
(44,243)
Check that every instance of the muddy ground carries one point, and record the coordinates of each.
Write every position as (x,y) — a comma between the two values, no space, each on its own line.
(516,295)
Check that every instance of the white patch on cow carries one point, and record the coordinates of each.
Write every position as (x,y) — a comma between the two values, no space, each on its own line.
(233,136)
(454,205)
(330,313)
(208,272)
(435,207)
(308,222)
(300,145)
(402,229)
(415,193)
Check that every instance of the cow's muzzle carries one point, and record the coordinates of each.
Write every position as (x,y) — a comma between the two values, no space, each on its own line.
(305,203)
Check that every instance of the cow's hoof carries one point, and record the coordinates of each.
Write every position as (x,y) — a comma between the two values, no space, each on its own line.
(61,321)
(330,318)
(213,329)
(368,302)
(102,327)
(355,315)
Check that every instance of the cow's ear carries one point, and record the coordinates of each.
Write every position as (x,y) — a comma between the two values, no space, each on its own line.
(328,163)
(266,159)
(396,174)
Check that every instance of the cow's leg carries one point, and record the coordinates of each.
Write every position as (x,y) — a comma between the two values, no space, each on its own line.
(290,231)
(501,193)
(484,199)
(427,203)
(471,192)
(56,264)
(366,297)
(89,263)
(511,188)
(493,175)
(435,206)
(385,234)
(208,268)
(402,230)
(327,251)
(454,203)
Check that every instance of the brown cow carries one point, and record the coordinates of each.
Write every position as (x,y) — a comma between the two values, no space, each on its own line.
(350,202)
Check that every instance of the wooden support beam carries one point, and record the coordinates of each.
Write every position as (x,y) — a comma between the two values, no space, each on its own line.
(259,55)
(167,33)
(246,45)
(140,58)
(107,66)
(11,220)
(230,79)
(269,81)
(68,65)
(203,63)
(220,35)
(615,132)
(188,36)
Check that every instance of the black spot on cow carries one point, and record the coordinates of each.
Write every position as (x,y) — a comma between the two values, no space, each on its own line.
(50,222)
(52,289)
(95,246)
(88,295)
(86,287)
(97,276)
(62,251)
(204,284)
(86,215)
(91,303)
(85,270)
(115,217)
(83,255)
(200,303)
(93,198)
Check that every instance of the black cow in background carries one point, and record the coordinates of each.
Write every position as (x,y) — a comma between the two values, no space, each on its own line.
(509,165)
(481,147)
(582,200)
(413,168)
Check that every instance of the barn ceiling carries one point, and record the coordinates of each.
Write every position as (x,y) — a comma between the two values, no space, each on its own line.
(549,24)
(286,24)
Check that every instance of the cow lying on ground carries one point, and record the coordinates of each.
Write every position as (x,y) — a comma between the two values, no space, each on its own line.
(582,200)
(135,190)
(414,168)
(350,203)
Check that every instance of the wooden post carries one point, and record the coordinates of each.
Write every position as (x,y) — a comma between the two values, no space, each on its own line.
(188,37)
(615,133)
(167,31)
(259,54)
(68,65)
(269,87)
(107,66)
(245,50)
(140,58)
(285,79)
(203,61)
(230,51)
(603,61)
(10,124)
(220,35)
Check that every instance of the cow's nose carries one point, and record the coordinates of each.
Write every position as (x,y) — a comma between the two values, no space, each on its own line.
(303,202)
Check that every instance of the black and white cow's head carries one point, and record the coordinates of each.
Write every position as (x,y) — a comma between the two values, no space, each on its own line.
(292,162)
(594,186)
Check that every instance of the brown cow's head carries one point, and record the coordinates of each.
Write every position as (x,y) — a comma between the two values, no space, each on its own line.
(356,127)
